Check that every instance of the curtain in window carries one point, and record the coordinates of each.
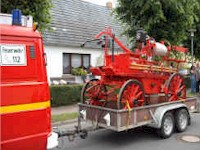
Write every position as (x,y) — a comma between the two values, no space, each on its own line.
(86,61)
(76,60)
(66,64)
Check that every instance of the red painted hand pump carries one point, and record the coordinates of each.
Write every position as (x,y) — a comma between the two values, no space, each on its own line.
(129,78)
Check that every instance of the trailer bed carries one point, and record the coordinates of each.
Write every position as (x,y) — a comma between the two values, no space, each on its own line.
(121,120)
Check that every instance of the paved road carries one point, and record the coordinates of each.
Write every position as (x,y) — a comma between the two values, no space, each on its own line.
(137,139)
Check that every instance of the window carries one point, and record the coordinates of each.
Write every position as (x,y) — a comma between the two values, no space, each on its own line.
(75,61)
(66,63)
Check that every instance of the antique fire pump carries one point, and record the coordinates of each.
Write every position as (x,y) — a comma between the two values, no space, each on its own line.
(128,78)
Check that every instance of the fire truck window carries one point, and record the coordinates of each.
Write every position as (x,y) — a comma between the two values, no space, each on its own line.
(32,51)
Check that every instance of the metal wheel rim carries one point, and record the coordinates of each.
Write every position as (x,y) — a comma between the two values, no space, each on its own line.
(168,125)
(183,120)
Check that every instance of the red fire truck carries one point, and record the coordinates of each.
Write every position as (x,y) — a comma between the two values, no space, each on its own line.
(25,99)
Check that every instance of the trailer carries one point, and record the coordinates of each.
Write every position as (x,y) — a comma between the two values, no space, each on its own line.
(165,117)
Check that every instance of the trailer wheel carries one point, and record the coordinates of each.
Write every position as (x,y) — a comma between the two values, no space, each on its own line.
(181,119)
(167,125)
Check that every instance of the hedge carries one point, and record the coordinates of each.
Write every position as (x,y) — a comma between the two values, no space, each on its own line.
(65,94)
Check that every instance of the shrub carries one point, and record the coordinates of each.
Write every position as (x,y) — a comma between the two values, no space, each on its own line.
(79,71)
(65,94)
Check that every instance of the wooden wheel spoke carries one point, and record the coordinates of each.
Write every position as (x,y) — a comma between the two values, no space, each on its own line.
(140,100)
(181,88)
(172,97)
(138,94)
(136,90)
(90,88)
(87,95)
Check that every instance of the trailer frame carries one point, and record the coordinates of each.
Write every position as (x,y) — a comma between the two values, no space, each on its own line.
(121,120)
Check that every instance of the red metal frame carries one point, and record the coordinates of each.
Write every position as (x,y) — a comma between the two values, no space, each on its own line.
(152,75)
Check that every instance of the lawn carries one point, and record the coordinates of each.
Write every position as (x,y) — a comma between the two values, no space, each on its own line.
(64,117)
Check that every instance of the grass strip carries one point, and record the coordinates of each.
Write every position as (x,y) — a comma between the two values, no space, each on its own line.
(193,94)
(64,117)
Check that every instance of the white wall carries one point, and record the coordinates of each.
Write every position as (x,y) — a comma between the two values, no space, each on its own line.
(55,58)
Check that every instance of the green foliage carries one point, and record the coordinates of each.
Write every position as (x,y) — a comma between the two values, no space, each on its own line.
(65,94)
(39,9)
(162,19)
(79,71)
(157,58)
(187,42)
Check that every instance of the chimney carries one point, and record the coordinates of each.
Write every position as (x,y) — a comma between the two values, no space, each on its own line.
(109,5)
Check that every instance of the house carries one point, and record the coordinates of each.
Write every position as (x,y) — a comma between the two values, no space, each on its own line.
(74,22)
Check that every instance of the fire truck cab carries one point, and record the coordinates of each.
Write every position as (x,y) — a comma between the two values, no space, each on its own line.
(25,98)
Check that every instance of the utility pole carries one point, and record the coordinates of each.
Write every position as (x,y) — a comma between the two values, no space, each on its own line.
(192,43)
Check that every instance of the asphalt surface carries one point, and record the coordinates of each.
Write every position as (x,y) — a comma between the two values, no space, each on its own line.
(142,138)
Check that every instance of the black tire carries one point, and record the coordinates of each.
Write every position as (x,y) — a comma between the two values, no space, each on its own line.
(181,120)
(167,125)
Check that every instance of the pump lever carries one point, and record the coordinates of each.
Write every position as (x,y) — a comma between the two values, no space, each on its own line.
(88,41)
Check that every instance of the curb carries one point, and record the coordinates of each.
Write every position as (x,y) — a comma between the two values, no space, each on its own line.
(67,122)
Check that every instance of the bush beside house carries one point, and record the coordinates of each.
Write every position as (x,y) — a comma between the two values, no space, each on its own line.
(65,94)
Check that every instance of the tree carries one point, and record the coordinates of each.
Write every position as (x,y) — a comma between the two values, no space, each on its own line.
(39,9)
(197,42)
(162,19)
(187,42)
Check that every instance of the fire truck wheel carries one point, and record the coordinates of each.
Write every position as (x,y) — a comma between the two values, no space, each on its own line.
(92,93)
(131,95)
(181,119)
(85,87)
(167,125)
(176,87)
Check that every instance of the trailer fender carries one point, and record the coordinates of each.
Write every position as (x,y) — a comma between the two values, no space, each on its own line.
(160,111)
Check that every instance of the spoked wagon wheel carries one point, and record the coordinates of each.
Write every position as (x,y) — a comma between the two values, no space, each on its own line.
(131,95)
(93,93)
(176,88)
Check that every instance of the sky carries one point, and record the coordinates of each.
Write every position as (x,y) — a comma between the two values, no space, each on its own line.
(101,2)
